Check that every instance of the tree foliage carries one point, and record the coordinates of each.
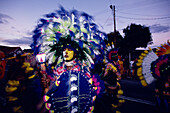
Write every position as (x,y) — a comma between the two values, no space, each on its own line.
(111,36)
(135,36)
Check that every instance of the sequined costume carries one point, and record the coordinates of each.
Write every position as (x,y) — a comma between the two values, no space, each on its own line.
(74,90)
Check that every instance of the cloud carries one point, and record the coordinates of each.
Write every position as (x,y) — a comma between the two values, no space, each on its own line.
(29,33)
(157,28)
(23,41)
(4,18)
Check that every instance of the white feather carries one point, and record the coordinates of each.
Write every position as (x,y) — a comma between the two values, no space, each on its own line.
(146,66)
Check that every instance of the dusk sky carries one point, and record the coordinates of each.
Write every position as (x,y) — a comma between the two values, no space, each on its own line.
(18,18)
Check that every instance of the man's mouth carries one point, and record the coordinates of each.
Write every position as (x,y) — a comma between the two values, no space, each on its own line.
(66,56)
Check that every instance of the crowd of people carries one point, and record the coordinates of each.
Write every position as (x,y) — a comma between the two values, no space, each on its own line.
(27,79)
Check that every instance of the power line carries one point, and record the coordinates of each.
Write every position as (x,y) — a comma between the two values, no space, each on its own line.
(158,18)
(138,14)
(141,4)
(107,20)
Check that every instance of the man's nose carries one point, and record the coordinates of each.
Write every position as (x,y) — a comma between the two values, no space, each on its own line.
(66,51)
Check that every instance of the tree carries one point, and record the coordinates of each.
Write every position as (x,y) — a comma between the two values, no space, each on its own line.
(111,36)
(135,36)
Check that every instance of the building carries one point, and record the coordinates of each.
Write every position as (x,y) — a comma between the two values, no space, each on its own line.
(10,51)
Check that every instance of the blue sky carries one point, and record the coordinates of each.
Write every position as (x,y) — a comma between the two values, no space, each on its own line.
(18,18)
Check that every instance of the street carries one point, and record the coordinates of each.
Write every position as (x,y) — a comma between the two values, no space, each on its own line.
(138,99)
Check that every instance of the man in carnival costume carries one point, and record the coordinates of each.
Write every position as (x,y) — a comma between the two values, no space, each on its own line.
(70,41)
(162,89)
(155,67)
(160,69)
(111,77)
(17,81)
(2,80)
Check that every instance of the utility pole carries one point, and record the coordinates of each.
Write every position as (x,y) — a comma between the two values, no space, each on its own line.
(114,20)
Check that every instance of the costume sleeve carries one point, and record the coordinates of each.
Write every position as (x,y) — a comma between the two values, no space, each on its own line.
(111,67)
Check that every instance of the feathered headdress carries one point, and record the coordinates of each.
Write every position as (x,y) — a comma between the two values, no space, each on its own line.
(144,63)
(110,51)
(163,49)
(150,62)
(68,28)
(161,67)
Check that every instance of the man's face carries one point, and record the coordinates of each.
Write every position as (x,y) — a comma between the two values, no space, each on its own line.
(68,54)
(113,56)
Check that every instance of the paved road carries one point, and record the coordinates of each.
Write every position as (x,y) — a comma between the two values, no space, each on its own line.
(138,99)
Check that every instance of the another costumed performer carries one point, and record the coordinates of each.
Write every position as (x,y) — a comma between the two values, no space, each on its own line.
(111,77)
(155,67)
(160,69)
(70,41)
